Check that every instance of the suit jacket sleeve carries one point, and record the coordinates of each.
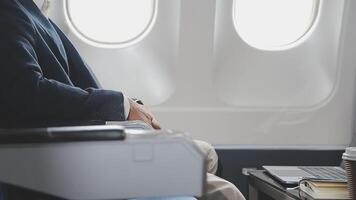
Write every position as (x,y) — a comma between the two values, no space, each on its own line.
(25,93)
(80,73)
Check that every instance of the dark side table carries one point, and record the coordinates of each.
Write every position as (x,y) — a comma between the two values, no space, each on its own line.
(261,186)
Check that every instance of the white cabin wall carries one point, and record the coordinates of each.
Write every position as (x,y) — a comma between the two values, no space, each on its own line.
(348,59)
(206,115)
(142,70)
(179,70)
(300,75)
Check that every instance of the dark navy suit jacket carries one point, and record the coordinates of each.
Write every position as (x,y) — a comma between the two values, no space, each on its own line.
(43,79)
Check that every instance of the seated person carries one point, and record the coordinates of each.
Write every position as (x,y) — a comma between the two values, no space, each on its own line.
(45,82)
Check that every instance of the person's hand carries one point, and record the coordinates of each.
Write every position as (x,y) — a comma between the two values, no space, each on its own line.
(140,112)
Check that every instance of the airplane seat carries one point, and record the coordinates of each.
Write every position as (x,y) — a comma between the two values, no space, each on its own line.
(102,162)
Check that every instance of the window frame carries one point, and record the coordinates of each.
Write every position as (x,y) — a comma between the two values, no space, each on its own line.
(97,43)
(316,12)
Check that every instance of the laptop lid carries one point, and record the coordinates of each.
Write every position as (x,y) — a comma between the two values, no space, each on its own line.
(287,174)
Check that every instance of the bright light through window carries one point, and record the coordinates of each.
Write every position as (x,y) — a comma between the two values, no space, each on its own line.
(269,24)
(111,21)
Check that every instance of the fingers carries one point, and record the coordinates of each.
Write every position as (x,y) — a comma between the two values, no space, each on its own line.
(140,112)
(155,124)
(149,116)
(146,118)
(152,121)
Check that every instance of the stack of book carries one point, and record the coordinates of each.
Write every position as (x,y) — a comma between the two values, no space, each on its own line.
(324,189)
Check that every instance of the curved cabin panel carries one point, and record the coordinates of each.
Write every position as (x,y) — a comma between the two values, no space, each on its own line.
(199,74)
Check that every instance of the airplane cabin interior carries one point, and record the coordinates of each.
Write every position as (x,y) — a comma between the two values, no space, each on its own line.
(177,99)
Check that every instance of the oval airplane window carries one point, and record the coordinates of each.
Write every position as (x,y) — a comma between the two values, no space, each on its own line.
(274,24)
(111,22)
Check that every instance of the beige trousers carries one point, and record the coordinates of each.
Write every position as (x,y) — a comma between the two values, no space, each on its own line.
(217,188)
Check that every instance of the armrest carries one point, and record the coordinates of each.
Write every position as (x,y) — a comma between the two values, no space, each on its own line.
(61,134)
(147,165)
